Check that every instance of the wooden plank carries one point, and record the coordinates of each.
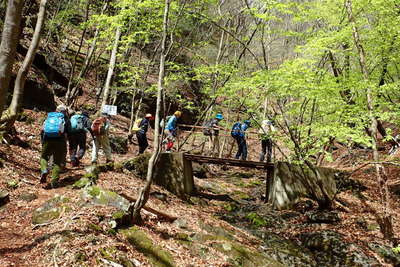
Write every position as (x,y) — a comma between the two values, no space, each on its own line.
(231,162)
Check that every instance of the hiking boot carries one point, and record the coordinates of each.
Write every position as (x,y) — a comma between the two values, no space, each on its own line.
(43,176)
(74,163)
(51,185)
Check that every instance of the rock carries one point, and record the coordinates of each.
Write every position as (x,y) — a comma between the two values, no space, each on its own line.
(329,249)
(290,182)
(138,165)
(181,223)
(286,251)
(159,195)
(344,183)
(27,196)
(101,196)
(50,210)
(83,182)
(119,144)
(239,255)
(386,253)
(323,217)
(4,197)
(213,188)
(156,255)
(199,170)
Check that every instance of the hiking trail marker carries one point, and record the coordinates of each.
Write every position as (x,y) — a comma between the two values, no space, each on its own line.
(109,109)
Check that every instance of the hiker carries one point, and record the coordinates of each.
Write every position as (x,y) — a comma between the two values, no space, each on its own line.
(265,133)
(100,128)
(212,132)
(54,144)
(171,130)
(141,136)
(239,133)
(80,124)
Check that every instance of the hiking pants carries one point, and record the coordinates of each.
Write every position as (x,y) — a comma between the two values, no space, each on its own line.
(242,148)
(169,139)
(56,148)
(142,140)
(266,148)
(103,142)
(77,140)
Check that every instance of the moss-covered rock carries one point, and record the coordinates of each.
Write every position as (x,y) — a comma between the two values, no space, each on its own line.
(101,196)
(387,253)
(119,144)
(156,255)
(239,255)
(286,251)
(51,210)
(329,249)
(27,196)
(138,165)
(83,182)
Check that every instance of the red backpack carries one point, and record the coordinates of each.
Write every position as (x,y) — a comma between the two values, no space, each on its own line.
(99,126)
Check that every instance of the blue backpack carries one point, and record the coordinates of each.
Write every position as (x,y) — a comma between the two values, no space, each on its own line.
(236,130)
(77,123)
(54,125)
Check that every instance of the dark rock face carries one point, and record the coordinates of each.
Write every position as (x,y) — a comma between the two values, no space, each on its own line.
(330,250)
(119,144)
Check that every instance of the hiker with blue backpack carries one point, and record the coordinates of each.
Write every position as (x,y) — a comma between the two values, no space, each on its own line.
(80,125)
(239,133)
(54,144)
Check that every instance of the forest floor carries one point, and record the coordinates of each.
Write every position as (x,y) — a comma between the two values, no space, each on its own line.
(79,235)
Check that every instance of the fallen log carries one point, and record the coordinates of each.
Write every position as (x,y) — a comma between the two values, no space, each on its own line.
(163,215)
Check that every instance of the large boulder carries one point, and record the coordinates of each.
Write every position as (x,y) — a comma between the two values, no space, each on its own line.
(290,182)
(50,210)
(329,249)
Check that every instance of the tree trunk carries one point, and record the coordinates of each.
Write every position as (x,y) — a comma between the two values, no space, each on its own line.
(71,75)
(385,219)
(144,193)
(111,67)
(19,87)
(8,46)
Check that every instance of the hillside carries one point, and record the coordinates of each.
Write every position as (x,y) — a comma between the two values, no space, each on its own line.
(226,225)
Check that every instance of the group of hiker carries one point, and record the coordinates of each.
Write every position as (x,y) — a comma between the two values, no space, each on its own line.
(61,127)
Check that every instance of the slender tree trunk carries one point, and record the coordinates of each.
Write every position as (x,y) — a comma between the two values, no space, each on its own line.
(8,46)
(19,87)
(111,67)
(71,75)
(385,219)
(144,193)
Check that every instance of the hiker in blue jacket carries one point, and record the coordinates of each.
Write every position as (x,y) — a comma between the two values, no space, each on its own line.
(239,133)
(54,144)
(171,130)
(80,125)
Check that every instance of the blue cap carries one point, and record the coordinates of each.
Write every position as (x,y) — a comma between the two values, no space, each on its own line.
(219,116)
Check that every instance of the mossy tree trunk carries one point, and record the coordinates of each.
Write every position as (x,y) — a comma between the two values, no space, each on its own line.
(8,46)
(16,102)
(145,191)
